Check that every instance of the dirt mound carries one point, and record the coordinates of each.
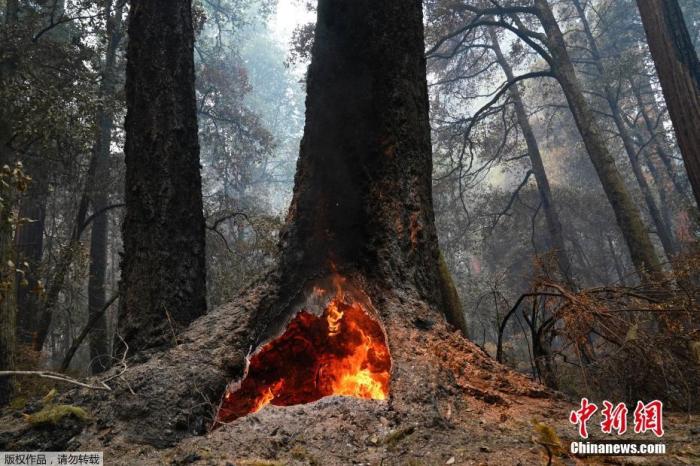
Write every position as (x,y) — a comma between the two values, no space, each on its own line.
(449,403)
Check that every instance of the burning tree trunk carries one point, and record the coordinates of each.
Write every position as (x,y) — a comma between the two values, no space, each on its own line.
(362,205)
(362,198)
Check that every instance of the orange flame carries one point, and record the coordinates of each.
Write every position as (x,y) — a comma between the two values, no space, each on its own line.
(343,353)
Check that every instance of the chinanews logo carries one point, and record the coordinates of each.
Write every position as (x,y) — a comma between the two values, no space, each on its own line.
(646,418)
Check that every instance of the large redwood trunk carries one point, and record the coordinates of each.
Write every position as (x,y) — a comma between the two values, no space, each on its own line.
(163,270)
(362,198)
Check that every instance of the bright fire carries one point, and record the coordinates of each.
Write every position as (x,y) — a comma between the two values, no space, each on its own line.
(342,352)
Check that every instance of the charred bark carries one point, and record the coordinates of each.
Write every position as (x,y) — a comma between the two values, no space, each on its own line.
(626,213)
(163,270)
(678,68)
(363,195)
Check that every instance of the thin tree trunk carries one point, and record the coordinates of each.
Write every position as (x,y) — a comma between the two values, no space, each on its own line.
(29,244)
(8,310)
(554,227)
(100,350)
(678,68)
(65,259)
(663,230)
(618,267)
(628,216)
(163,270)
(650,112)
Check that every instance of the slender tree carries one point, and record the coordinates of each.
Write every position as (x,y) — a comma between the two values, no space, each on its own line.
(29,245)
(554,227)
(100,350)
(163,270)
(663,230)
(627,214)
(8,309)
(13,182)
(678,68)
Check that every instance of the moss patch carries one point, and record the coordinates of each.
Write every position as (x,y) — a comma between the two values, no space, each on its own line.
(53,414)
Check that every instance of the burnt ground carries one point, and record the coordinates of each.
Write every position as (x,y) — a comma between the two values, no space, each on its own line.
(450,403)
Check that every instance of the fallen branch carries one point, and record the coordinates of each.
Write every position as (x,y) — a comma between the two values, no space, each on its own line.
(90,324)
(56,376)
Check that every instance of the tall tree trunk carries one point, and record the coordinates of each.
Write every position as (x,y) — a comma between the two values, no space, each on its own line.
(628,216)
(100,350)
(163,269)
(363,189)
(554,227)
(663,230)
(678,68)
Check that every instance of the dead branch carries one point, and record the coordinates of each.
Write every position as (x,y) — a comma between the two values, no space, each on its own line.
(56,376)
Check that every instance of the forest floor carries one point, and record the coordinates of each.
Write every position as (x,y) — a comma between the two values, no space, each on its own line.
(450,404)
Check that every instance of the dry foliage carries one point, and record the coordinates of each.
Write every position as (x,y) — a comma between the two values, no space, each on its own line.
(618,342)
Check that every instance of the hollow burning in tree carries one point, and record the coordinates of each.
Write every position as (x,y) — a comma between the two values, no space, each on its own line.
(333,346)
(362,202)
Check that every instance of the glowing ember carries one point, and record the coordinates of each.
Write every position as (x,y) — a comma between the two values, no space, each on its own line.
(342,352)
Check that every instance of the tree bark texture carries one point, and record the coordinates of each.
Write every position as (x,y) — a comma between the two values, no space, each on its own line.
(363,189)
(163,270)
(678,68)
(628,217)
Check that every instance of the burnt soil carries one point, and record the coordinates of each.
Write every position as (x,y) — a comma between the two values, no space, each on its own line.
(450,403)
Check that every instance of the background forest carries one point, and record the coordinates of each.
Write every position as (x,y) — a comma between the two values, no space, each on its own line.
(553,276)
